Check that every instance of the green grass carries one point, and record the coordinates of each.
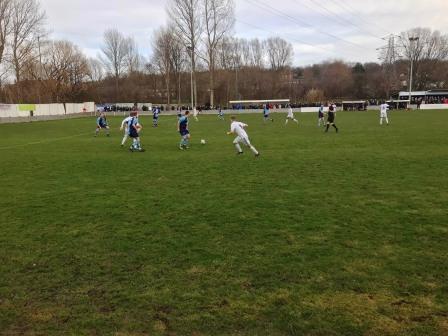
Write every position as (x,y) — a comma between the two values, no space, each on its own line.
(324,234)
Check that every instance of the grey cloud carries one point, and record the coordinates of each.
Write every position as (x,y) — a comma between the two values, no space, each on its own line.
(84,21)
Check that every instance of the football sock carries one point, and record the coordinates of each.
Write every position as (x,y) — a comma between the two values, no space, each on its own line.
(252,148)
(238,148)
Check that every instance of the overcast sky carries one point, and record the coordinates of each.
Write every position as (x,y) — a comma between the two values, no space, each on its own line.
(318,29)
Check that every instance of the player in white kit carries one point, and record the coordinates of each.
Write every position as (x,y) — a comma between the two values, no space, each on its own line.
(124,125)
(195,114)
(238,128)
(383,113)
(291,116)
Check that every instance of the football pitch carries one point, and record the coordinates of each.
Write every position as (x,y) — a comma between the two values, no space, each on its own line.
(323,234)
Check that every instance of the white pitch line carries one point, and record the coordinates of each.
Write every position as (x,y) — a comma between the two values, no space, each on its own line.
(43,141)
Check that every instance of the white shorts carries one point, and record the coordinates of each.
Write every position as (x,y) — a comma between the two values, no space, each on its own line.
(290,117)
(383,115)
(243,140)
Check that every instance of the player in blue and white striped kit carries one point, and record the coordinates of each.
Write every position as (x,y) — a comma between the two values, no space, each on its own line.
(321,116)
(266,113)
(182,127)
(134,130)
(220,113)
(101,123)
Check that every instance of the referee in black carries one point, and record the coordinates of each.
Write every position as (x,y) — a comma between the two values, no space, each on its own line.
(331,117)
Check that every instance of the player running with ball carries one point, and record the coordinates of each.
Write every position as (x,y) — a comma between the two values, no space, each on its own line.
(238,128)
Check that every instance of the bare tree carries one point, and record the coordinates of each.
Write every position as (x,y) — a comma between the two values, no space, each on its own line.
(163,39)
(186,19)
(133,57)
(219,19)
(257,55)
(179,60)
(426,48)
(5,25)
(26,27)
(280,53)
(224,54)
(96,70)
(65,68)
(5,31)
(115,50)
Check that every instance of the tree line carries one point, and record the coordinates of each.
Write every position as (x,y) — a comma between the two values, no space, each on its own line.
(196,59)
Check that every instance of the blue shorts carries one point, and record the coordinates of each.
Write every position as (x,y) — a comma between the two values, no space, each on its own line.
(102,126)
(184,132)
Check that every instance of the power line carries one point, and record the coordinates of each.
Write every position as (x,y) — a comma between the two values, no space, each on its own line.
(274,33)
(349,10)
(292,38)
(299,22)
(340,18)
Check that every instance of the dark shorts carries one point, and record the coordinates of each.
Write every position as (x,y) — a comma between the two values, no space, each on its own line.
(103,126)
(184,132)
(133,133)
(321,115)
(330,120)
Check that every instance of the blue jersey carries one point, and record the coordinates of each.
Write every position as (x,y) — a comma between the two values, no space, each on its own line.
(183,125)
(101,121)
(132,123)
(155,113)
(321,112)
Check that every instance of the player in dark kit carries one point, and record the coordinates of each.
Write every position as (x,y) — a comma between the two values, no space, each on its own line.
(182,127)
(331,117)
(155,116)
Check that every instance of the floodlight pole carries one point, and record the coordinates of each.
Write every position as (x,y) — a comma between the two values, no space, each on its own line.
(190,49)
(411,40)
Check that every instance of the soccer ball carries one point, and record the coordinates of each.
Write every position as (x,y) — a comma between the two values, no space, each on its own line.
(203,142)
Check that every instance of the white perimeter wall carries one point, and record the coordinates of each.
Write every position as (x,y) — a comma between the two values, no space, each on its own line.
(434,107)
(13,110)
